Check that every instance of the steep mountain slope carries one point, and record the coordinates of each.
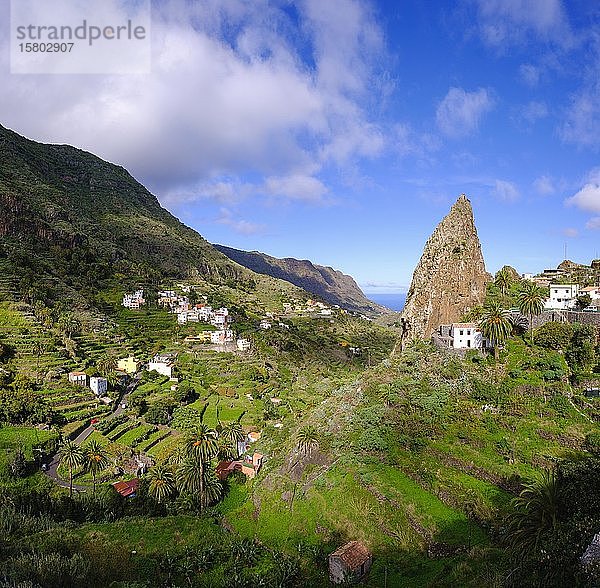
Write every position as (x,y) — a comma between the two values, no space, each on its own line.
(450,277)
(68,215)
(326,282)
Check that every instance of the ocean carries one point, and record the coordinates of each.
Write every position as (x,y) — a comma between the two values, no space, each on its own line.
(391,301)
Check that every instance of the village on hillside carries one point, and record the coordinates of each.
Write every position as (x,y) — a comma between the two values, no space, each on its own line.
(565,302)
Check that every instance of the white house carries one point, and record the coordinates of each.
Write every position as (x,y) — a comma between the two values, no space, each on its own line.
(219,317)
(593,292)
(466,336)
(243,344)
(163,364)
(265,325)
(205,313)
(98,385)
(134,301)
(221,337)
(78,378)
(562,296)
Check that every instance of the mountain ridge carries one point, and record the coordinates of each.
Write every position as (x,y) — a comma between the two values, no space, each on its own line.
(70,220)
(326,282)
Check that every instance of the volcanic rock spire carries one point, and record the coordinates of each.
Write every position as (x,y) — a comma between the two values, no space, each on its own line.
(450,277)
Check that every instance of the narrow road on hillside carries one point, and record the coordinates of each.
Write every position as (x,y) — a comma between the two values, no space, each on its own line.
(52,470)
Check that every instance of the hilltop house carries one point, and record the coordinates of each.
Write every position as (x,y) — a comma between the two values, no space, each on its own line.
(221,337)
(249,466)
(562,296)
(243,344)
(134,301)
(219,318)
(129,365)
(98,385)
(351,562)
(163,364)
(460,336)
(78,378)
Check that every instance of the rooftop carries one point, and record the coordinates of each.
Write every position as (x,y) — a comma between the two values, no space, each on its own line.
(127,488)
(353,554)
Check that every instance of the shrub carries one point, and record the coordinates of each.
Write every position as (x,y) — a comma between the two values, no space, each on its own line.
(553,335)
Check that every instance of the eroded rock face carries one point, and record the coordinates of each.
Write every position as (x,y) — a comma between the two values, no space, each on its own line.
(450,277)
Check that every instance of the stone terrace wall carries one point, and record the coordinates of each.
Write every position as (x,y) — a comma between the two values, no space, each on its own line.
(568,316)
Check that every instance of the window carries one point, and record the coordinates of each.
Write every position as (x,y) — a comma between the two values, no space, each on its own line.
(468,331)
(461,332)
(469,343)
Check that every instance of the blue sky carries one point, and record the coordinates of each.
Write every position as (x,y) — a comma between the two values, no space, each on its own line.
(342,131)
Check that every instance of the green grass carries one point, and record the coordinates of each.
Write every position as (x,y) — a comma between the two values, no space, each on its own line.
(25,438)
(127,438)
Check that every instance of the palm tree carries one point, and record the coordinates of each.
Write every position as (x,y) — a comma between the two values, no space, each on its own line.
(503,281)
(189,475)
(232,434)
(201,447)
(536,512)
(69,325)
(519,323)
(495,325)
(106,365)
(71,455)
(198,481)
(213,489)
(227,449)
(202,443)
(531,302)
(162,483)
(308,438)
(95,459)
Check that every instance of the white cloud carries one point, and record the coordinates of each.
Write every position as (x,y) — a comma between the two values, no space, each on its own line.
(582,118)
(226,217)
(544,185)
(221,191)
(236,88)
(409,142)
(534,111)
(505,191)
(593,223)
(530,74)
(296,187)
(588,198)
(459,113)
(503,22)
(383,287)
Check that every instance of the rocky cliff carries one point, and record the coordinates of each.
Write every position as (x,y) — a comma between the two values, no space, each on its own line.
(450,277)
(329,284)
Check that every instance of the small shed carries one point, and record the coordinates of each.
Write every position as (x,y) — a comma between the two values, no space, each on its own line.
(351,562)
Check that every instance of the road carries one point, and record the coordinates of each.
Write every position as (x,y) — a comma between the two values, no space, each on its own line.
(52,470)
